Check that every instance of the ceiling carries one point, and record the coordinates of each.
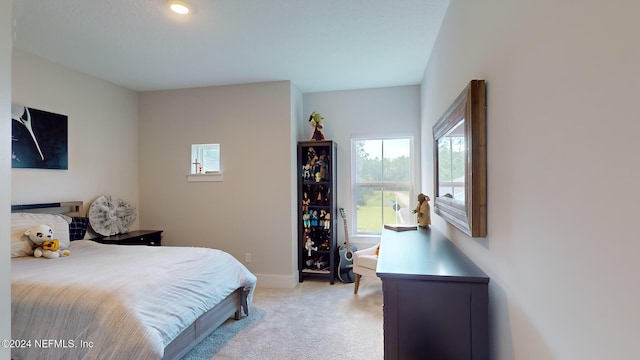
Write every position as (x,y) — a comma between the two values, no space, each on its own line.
(320,45)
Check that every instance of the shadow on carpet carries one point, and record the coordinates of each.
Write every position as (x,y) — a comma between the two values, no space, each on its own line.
(313,321)
(220,337)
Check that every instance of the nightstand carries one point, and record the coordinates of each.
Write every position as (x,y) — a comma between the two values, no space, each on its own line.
(137,237)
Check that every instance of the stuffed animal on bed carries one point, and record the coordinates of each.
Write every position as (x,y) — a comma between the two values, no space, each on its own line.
(41,237)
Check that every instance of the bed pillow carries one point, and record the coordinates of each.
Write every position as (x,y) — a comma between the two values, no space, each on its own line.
(78,228)
(20,222)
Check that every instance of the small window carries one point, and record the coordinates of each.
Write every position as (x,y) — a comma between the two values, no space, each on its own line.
(205,159)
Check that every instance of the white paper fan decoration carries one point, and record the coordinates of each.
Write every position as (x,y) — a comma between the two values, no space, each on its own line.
(109,215)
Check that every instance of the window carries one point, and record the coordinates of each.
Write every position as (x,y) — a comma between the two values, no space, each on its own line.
(205,163)
(383,175)
(205,158)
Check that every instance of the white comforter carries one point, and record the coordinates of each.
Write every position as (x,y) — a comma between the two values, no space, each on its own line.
(115,302)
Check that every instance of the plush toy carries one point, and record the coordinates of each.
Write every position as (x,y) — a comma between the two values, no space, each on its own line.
(315,119)
(423,211)
(41,236)
(321,263)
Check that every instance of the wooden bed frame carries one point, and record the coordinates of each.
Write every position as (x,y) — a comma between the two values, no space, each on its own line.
(231,306)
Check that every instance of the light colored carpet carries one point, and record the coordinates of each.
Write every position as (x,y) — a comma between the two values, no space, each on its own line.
(315,320)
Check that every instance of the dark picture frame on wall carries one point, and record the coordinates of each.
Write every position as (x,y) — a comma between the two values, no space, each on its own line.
(39,139)
(460,161)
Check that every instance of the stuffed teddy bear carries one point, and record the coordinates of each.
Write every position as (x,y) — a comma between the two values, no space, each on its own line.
(423,211)
(41,236)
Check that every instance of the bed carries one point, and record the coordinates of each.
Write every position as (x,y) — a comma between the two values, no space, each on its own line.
(118,302)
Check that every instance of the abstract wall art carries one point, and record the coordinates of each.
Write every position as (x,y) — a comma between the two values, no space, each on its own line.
(38,139)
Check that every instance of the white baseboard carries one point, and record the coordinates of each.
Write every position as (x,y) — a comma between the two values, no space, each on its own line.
(277,281)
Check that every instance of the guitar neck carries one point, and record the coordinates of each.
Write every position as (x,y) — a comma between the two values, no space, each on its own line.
(346,233)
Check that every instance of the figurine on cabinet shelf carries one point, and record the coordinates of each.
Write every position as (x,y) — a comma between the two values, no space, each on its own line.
(312,156)
(322,166)
(305,201)
(316,121)
(314,218)
(319,197)
(323,214)
(423,211)
(306,171)
(308,245)
(306,220)
(327,221)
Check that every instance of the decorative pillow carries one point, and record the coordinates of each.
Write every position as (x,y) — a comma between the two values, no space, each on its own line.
(20,222)
(78,227)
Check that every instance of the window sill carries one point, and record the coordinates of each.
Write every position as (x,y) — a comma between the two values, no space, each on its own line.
(364,241)
(204,177)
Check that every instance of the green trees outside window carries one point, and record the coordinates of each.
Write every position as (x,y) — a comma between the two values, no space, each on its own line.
(383,183)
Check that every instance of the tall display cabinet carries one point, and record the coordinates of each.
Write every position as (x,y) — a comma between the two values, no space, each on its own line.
(317,249)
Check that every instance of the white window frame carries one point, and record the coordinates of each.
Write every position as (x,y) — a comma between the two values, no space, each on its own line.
(201,170)
(411,185)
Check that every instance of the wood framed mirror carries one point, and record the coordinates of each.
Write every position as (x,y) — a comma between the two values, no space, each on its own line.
(460,162)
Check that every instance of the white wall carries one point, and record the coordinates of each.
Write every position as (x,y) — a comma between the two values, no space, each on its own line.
(391,111)
(102,135)
(5,179)
(297,113)
(250,211)
(562,249)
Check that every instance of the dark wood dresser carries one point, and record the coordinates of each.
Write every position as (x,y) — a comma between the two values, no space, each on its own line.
(435,298)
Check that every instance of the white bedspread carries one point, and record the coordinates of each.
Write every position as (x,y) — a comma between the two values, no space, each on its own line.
(116,302)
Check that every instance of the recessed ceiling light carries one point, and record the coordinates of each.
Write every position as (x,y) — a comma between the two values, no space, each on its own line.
(179,7)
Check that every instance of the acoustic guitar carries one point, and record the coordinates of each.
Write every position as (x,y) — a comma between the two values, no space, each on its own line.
(345,267)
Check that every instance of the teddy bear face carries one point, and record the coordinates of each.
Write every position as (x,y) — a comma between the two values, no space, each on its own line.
(39,233)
